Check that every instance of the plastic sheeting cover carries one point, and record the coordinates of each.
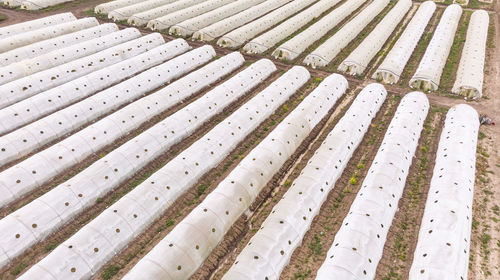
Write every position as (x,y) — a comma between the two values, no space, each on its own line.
(170,19)
(189,26)
(55,159)
(142,18)
(431,66)
(72,197)
(24,53)
(270,249)
(442,250)
(218,29)
(27,26)
(46,102)
(359,243)
(113,5)
(470,73)
(292,48)
(89,249)
(177,257)
(270,38)
(327,51)
(50,53)
(26,38)
(126,12)
(25,87)
(357,61)
(395,61)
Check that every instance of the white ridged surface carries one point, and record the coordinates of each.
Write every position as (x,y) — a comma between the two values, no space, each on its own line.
(442,250)
(278,33)
(292,48)
(327,51)
(358,60)
(28,26)
(58,206)
(428,74)
(45,165)
(189,26)
(221,27)
(166,21)
(270,249)
(48,32)
(30,109)
(35,83)
(36,57)
(470,73)
(89,249)
(359,243)
(395,61)
(177,257)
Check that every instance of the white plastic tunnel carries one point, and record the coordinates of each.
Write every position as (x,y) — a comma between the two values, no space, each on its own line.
(391,68)
(470,73)
(270,38)
(443,245)
(270,249)
(359,243)
(70,198)
(428,74)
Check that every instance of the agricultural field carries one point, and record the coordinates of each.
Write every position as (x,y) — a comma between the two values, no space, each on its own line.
(249,139)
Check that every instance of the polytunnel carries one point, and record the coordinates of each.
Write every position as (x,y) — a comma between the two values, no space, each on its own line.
(431,66)
(170,19)
(270,249)
(442,250)
(292,48)
(357,61)
(327,51)
(40,105)
(359,243)
(270,38)
(143,205)
(176,257)
(59,205)
(101,103)
(26,38)
(142,18)
(124,13)
(39,4)
(28,26)
(107,7)
(61,55)
(470,73)
(189,26)
(22,54)
(25,87)
(391,68)
(219,28)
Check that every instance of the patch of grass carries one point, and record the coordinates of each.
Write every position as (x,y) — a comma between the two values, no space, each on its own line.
(3,17)
(50,247)
(201,190)
(481,135)
(91,13)
(18,269)
(315,245)
(110,271)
